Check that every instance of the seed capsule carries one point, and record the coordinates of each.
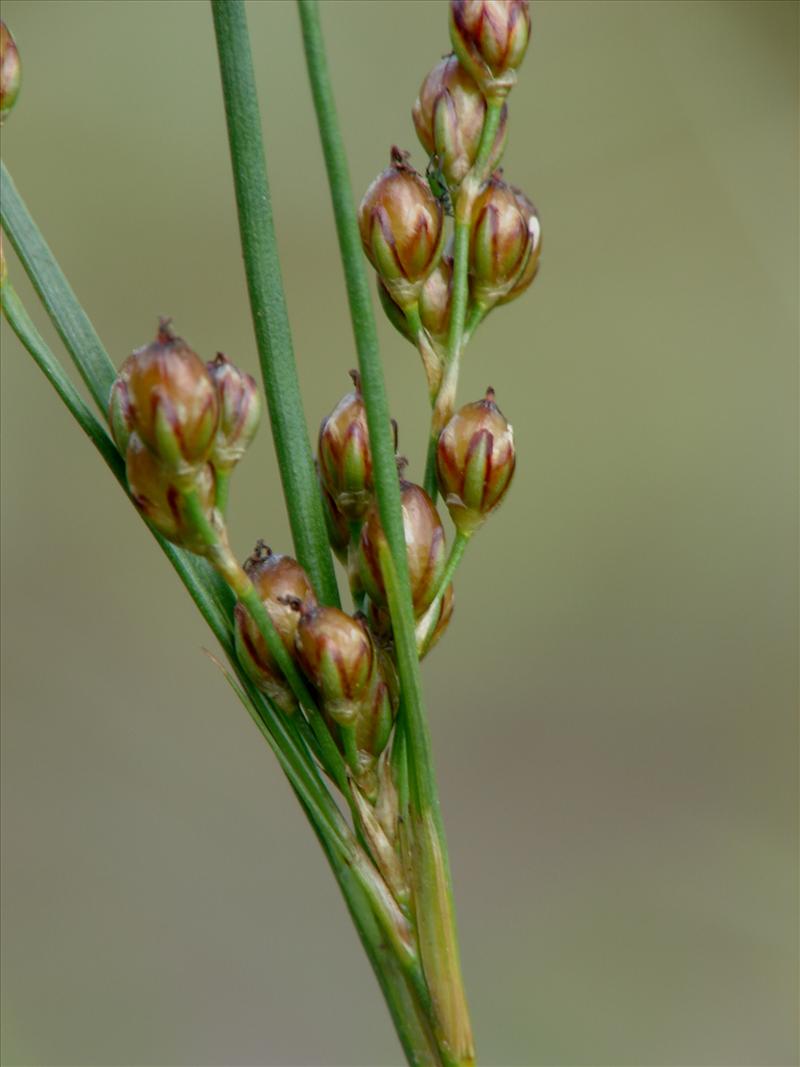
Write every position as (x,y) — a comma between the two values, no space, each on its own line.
(337,655)
(448,116)
(10,71)
(531,268)
(475,461)
(402,229)
(425,548)
(174,404)
(434,304)
(345,462)
(239,412)
(159,495)
(490,38)
(435,301)
(277,579)
(500,245)
(120,410)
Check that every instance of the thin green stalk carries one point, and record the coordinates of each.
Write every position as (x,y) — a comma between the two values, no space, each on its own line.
(427,623)
(431,362)
(465,202)
(222,483)
(267,300)
(423,794)
(463,220)
(387,488)
(69,318)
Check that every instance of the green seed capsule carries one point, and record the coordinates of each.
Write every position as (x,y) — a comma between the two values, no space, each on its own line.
(475,462)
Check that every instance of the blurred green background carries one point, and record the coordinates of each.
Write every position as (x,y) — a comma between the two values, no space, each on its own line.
(614,708)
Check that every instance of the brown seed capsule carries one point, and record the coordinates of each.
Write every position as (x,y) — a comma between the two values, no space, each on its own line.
(501,243)
(345,462)
(10,71)
(531,268)
(402,229)
(174,404)
(425,548)
(239,412)
(475,461)
(448,116)
(490,38)
(158,496)
(277,580)
(338,657)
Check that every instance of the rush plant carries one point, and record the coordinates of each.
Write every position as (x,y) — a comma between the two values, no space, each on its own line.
(334,691)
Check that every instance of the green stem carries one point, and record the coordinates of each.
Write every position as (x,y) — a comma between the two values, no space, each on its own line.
(477,313)
(465,202)
(431,362)
(267,300)
(428,621)
(221,486)
(452,1025)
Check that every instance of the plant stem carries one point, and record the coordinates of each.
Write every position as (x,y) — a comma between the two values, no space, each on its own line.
(53,289)
(267,300)
(453,1026)
(431,362)
(465,202)
(222,482)
(427,623)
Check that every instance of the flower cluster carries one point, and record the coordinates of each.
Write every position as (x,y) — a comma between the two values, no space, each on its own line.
(183,424)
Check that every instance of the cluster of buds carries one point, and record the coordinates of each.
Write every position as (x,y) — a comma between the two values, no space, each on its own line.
(353,680)
(461,119)
(344,466)
(181,425)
